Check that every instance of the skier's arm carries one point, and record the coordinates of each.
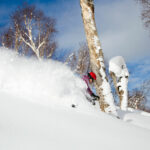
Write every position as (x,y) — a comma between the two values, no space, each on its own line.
(95,96)
(89,91)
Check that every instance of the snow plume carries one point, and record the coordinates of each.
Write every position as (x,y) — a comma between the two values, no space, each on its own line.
(45,82)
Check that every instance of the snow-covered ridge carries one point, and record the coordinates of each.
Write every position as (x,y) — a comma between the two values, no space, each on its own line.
(46,82)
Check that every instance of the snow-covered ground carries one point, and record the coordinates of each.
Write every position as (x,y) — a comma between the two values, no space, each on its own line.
(36,112)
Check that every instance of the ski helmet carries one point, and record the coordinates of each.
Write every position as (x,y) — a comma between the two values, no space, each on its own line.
(93,75)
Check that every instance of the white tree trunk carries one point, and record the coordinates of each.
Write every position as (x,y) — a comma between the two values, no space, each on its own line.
(124,88)
(120,74)
(96,58)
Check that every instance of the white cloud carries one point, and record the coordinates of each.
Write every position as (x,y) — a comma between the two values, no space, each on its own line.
(139,72)
(69,22)
(119,24)
(122,31)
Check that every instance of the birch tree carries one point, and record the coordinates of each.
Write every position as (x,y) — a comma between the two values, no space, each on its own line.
(79,60)
(145,15)
(32,31)
(138,97)
(119,73)
(96,58)
(7,39)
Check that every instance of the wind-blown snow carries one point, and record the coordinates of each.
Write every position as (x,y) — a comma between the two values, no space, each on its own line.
(48,83)
(36,112)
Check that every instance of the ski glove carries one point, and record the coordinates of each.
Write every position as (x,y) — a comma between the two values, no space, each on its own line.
(95,97)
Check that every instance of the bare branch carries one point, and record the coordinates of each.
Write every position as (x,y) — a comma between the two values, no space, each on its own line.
(32,29)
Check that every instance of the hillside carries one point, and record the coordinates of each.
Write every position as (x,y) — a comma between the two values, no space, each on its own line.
(36,112)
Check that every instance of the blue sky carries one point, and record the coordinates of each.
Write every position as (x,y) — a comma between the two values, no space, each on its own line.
(119,25)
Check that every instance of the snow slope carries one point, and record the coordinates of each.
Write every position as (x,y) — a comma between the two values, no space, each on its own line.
(36,112)
(30,126)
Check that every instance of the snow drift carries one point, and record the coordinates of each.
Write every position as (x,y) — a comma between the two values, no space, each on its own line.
(28,126)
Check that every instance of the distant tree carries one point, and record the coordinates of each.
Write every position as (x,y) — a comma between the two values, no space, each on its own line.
(7,38)
(145,12)
(30,32)
(83,65)
(138,97)
(71,61)
(79,61)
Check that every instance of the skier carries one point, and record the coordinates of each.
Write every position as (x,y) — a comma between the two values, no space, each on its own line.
(89,79)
